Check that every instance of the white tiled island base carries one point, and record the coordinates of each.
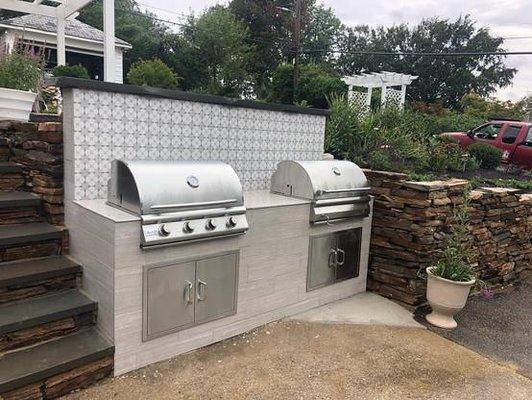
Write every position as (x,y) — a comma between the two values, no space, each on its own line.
(272,274)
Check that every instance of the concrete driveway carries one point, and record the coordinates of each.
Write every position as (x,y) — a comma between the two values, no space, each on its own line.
(301,360)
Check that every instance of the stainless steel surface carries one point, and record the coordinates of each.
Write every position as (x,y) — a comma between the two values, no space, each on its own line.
(167,295)
(217,283)
(179,201)
(333,257)
(180,295)
(338,189)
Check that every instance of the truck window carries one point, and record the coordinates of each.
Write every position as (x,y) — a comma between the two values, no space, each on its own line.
(488,131)
(528,139)
(511,134)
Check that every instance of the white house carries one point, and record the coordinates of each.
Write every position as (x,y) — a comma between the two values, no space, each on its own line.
(84,43)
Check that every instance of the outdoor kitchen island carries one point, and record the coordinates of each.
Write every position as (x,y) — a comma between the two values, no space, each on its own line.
(272,272)
(203,166)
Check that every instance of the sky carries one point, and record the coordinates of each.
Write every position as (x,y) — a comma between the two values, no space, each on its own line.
(507,18)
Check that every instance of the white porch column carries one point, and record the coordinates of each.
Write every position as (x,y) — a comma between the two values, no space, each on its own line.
(109,70)
(61,46)
(403,96)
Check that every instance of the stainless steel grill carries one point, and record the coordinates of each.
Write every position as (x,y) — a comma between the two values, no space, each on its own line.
(337,189)
(179,201)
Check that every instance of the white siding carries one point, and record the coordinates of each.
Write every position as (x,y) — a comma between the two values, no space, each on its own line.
(119,66)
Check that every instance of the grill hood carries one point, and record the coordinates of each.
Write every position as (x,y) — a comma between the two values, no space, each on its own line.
(338,189)
(155,187)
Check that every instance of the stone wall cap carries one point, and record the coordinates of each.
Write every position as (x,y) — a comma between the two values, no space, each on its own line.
(395,176)
(432,186)
(67,82)
(500,190)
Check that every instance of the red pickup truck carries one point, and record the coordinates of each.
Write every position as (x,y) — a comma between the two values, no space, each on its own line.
(512,137)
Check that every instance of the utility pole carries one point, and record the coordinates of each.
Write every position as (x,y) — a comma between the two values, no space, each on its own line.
(298,15)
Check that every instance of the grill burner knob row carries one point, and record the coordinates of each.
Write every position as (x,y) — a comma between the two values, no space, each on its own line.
(188,228)
(164,230)
(210,225)
(231,222)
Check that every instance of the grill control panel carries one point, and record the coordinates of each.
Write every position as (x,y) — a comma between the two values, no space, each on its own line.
(195,229)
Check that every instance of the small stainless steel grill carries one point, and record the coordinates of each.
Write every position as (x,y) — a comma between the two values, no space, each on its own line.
(179,201)
(337,189)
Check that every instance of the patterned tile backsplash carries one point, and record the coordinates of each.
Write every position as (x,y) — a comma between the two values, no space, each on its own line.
(109,125)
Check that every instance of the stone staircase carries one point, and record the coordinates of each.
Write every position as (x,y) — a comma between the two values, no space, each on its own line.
(49,344)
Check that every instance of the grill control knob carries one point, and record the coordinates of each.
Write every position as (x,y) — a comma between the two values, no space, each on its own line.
(188,228)
(231,222)
(210,225)
(164,230)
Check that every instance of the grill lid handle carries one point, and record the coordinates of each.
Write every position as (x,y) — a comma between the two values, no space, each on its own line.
(325,191)
(198,204)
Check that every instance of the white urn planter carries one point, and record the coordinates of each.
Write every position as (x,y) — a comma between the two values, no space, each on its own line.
(446,299)
(16,104)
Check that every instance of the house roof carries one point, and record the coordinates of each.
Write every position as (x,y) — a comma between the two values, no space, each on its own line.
(73,28)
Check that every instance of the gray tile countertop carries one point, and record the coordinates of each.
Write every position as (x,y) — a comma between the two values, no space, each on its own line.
(265,199)
(255,199)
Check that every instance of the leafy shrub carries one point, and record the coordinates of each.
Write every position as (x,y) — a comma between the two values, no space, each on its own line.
(21,70)
(152,73)
(454,262)
(380,161)
(73,71)
(488,157)
(447,155)
(315,85)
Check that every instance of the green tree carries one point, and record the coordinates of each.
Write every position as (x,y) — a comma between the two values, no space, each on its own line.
(269,25)
(218,41)
(315,85)
(132,25)
(152,73)
(446,79)
(322,34)
(485,108)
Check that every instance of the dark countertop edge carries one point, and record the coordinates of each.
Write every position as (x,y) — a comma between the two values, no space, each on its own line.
(66,82)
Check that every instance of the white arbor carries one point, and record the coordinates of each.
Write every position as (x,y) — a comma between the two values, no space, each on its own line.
(387,81)
(65,9)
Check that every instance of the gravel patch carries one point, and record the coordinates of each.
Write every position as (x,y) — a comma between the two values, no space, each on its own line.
(499,328)
(296,360)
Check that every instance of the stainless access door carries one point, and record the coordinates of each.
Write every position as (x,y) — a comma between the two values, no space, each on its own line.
(216,283)
(348,248)
(168,298)
(322,261)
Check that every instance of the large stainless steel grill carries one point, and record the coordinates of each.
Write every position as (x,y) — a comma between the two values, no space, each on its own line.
(337,189)
(179,201)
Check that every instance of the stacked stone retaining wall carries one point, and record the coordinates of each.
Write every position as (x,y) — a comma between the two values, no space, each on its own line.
(38,148)
(412,219)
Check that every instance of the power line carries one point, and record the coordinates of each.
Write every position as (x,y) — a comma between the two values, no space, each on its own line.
(340,52)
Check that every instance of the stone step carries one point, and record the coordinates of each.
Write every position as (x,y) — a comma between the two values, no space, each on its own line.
(35,277)
(11,176)
(9,167)
(20,207)
(37,239)
(31,321)
(19,200)
(56,367)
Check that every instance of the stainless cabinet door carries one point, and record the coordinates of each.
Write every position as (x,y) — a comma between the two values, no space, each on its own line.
(321,264)
(348,265)
(216,281)
(169,298)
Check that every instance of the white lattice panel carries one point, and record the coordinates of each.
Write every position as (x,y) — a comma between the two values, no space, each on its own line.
(360,100)
(393,98)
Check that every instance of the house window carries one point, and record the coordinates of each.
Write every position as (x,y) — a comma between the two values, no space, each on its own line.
(511,134)
(488,131)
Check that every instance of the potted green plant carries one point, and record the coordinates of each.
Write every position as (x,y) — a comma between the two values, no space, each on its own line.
(450,280)
(20,75)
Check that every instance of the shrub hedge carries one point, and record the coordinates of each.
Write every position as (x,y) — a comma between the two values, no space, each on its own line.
(489,157)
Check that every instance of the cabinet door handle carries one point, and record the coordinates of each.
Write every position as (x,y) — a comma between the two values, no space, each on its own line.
(333,258)
(201,290)
(342,253)
(188,292)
